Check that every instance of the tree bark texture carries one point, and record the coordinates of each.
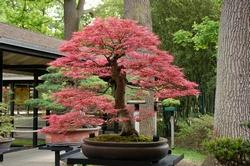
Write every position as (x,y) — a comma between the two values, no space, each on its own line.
(72,15)
(232,105)
(139,10)
(120,85)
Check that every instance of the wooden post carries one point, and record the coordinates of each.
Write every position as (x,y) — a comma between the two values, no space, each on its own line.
(12,103)
(1,75)
(172,129)
(35,111)
(47,114)
(136,113)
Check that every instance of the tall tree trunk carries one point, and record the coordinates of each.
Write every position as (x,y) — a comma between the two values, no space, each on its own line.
(232,106)
(139,10)
(72,15)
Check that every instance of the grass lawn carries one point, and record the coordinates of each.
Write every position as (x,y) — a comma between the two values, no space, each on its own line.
(191,155)
(25,142)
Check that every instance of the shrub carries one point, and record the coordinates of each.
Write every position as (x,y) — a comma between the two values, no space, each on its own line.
(194,131)
(229,151)
(161,128)
(170,102)
(5,122)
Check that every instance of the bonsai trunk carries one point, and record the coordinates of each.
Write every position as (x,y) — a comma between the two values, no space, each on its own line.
(120,85)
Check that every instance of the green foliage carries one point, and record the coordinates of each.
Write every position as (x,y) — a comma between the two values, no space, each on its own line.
(246,124)
(5,121)
(187,29)
(206,33)
(204,36)
(170,102)
(200,46)
(53,82)
(191,155)
(183,37)
(33,15)
(95,83)
(118,138)
(112,8)
(173,15)
(229,151)
(194,131)
(44,16)
(44,104)
(161,128)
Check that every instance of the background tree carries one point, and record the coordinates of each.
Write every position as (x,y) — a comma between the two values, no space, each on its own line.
(140,11)
(114,8)
(54,18)
(33,15)
(197,51)
(73,12)
(197,19)
(232,87)
(173,15)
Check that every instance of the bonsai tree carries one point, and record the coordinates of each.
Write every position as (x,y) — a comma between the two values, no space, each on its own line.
(170,102)
(6,126)
(64,118)
(53,81)
(122,53)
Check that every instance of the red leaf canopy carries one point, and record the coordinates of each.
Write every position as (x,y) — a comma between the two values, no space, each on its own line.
(136,49)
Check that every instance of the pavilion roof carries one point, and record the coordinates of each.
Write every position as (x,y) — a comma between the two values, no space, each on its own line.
(10,33)
(25,51)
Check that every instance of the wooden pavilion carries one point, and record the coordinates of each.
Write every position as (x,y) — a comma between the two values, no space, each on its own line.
(26,53)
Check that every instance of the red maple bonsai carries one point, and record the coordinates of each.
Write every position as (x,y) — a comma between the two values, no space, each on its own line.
(120,52)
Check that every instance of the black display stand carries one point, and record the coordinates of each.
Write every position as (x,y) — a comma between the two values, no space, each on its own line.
(57,149)
(77,157)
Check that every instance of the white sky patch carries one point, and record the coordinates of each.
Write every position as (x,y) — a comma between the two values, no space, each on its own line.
(91,3)
(88,5)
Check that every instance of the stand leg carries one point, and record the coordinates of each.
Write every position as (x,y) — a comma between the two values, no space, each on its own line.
(1,157)
(172,131)
(57,158)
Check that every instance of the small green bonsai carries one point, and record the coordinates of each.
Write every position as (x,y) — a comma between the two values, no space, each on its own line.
(53,82)
(6,126)
(170,102)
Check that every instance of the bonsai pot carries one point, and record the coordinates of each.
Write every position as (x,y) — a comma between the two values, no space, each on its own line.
(150,151)
(70,137)
(5,144)
(169,109)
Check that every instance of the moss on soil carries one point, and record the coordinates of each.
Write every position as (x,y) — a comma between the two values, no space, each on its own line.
(118,138)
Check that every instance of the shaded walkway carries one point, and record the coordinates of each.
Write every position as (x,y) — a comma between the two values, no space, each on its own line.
(30,157)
